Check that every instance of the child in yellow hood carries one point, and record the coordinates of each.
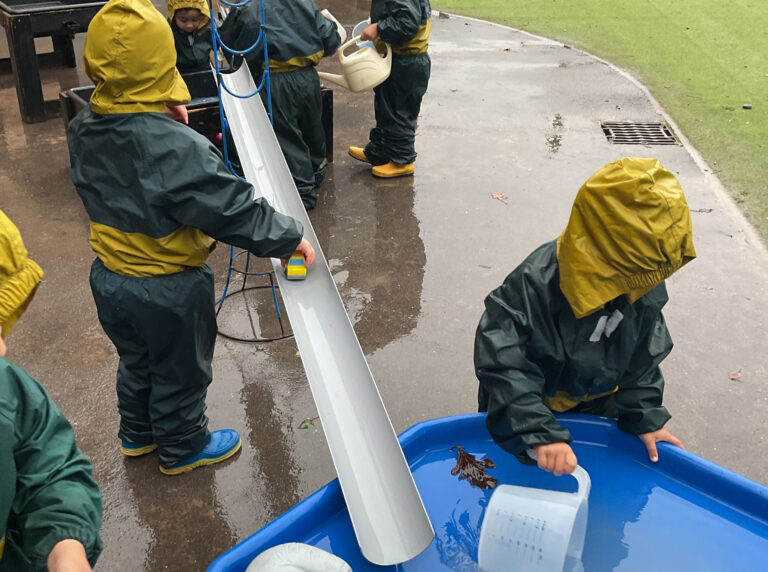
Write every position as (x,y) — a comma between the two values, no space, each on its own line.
(159,196)
(50,507)
(192,35)
(578,325)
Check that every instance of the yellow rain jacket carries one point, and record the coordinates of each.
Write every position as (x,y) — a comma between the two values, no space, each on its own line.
(578,325)
(19,275)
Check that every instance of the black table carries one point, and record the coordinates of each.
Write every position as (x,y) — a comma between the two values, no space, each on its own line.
(25,20)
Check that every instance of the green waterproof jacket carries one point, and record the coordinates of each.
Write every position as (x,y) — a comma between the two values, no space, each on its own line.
(298,35)
(580,319)
(47,493)
(532,356)
(192,50)
(403,24)
(158,194)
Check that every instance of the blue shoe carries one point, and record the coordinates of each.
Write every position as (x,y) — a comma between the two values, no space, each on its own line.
(223,444)
(134,450)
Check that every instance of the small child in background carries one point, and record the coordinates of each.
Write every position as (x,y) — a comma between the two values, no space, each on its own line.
(192,34)
(50,507)
(298,37)
(405,25)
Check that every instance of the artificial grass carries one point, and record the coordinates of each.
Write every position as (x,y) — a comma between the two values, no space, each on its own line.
(701,59)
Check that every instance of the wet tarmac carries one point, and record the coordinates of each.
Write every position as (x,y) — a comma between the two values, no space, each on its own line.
(510,128)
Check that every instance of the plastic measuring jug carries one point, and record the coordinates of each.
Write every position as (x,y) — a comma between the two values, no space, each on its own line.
(534,530)
(361,70)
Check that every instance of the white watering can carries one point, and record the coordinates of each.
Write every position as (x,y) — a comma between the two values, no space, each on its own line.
(361,70)
(535,530)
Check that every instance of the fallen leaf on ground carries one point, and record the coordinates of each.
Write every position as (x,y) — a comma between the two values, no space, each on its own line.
(500,197)
(307,423)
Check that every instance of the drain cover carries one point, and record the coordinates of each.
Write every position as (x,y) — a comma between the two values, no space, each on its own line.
(628,133)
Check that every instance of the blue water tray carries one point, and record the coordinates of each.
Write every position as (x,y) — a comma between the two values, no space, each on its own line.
(682,513)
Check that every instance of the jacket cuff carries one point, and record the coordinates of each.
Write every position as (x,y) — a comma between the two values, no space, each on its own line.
(644,421)
(88,538)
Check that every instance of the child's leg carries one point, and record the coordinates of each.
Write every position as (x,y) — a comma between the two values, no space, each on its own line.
(397,104)
(133,377)
(179,324)
(296,107)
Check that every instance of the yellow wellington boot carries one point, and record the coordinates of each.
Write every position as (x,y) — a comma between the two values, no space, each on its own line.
(392,170)
(358,153)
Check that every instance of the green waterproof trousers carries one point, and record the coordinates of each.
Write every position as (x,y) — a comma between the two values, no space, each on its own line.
(164,330)
(297,108)
(396,104)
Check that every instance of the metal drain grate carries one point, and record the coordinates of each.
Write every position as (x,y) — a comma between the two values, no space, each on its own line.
(627,133)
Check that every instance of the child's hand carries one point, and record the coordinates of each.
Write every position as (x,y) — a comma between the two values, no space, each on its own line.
(650,440)
(371,32)
(306,249)
(557,458)
(178,112)
(68,556)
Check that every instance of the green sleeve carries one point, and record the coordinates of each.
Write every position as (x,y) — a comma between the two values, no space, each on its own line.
(328,34)
(56,497)
(205,195)
(401,22)
(640,392)
(517,417)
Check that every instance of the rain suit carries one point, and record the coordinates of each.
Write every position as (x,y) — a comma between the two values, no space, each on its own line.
(192,50)
(578,325)
(405,25)
(158,196)
(298,37)
(46,490)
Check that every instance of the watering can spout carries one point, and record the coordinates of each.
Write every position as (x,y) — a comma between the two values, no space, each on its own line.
(334,78)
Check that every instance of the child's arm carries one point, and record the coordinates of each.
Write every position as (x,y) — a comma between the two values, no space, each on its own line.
(56,498)
(68,556)
(517,418)
(641,389)
(401,22)
(198,190)
(329,34)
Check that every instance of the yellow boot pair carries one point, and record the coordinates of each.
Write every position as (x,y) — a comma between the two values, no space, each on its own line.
(387,171)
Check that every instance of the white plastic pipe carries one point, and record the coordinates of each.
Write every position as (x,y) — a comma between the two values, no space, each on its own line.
(384,505)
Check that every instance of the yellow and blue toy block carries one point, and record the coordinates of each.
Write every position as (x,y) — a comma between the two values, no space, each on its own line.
(296,269)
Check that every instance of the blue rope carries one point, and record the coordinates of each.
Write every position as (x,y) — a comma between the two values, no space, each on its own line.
(265,81)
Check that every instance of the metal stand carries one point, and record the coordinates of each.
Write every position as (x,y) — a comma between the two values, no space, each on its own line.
(269,285)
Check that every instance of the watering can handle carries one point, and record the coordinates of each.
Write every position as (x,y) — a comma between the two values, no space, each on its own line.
(581,476)
(349,42)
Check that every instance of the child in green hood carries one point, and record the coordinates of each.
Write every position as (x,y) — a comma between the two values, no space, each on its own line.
(50,507)
(159,196)
(578,325)
(192,35)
